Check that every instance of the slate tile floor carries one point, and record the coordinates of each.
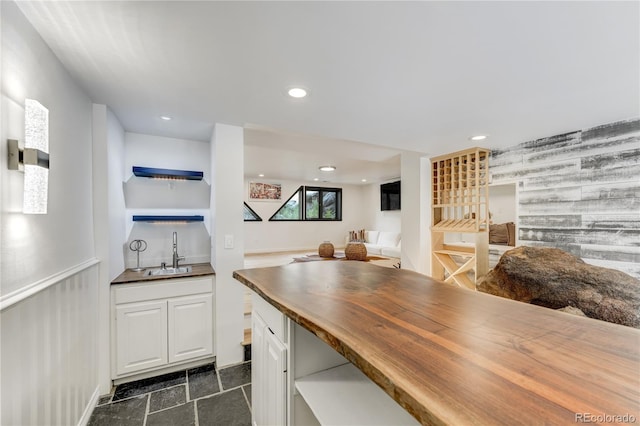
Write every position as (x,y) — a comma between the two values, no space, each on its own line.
(200,396)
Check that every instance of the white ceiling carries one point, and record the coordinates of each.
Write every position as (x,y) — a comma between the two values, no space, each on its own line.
(280,155)
(419,76)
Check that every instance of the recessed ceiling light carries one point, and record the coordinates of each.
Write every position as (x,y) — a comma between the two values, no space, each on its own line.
(297,92)
(261,175)
(165,117)
(316,179)
(327,168)
(478,137)
(364,180)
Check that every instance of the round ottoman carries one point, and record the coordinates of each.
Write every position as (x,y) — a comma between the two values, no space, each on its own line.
(326,249)
(355,251)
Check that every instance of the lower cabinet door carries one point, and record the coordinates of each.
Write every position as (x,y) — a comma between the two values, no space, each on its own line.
(258,385)
(268,375)
(141,330)
(275,369)
(190,327)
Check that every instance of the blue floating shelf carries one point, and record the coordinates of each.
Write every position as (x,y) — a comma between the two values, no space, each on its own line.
(139,218)
(151,172)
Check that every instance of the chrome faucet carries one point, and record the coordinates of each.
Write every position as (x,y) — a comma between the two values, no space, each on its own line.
(176,258)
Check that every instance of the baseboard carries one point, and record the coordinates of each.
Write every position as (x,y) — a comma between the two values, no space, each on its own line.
(160,371)
(88,410)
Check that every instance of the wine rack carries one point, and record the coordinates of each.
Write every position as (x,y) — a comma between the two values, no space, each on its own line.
(460,203)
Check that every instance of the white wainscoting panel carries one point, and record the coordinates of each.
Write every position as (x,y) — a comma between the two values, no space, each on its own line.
(48,353)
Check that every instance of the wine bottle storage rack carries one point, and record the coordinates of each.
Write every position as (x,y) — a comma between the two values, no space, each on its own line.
(460,183)
(460,203)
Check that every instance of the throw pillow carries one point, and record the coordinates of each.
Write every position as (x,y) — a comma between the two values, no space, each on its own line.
(371,237)
(498,234)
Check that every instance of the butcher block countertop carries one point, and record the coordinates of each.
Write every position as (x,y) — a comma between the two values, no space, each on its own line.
(129,276)
(453,356)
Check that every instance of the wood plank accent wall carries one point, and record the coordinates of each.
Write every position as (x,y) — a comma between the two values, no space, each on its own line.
(49,356)
(579,192)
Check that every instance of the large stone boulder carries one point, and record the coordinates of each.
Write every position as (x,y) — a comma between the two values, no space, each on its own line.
(556,279)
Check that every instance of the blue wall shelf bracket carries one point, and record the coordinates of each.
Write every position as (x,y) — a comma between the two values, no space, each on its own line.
(155,218)
(151,172)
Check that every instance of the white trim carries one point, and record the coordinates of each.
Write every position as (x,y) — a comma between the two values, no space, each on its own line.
(168,369)
(88,410)
(36,287)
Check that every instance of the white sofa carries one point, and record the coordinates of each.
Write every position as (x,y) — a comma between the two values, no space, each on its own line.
(382,243)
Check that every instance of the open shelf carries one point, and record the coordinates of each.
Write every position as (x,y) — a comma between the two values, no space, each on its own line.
(343,395)
(152,172)
(157,218)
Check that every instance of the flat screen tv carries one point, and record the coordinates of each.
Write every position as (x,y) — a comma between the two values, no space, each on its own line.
(390,196)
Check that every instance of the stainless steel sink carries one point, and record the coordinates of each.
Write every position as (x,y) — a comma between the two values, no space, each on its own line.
(167,271)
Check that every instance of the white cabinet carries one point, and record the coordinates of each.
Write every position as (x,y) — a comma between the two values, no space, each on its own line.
(141,330)
(269,366)
(159,324)
(189,326)
(297,379)
(258,387)
(275,379)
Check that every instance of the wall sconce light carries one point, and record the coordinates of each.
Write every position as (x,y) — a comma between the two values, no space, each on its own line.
(34,158)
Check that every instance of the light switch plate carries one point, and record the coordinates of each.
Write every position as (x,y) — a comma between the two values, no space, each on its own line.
(228,241)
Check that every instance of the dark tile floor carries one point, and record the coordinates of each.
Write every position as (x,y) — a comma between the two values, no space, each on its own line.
(199,396)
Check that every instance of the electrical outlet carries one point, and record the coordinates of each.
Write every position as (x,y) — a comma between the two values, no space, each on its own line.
(228,241)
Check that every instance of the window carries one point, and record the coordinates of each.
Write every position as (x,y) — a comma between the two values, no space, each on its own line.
(292,209)
(312,203)
(250,215)
(323,203)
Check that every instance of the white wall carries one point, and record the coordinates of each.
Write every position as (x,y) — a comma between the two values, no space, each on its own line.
(227,159)
(166,153)
(116,174)
(162,197)
(48,283)
(37,246)
(416,213)
(266,236)
(503,203)
(108,174)
(109,222)
(377,219)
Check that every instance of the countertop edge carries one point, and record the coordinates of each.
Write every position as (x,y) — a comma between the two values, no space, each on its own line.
(129,276)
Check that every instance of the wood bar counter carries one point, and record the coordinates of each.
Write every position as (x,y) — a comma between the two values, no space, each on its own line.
(454,356)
